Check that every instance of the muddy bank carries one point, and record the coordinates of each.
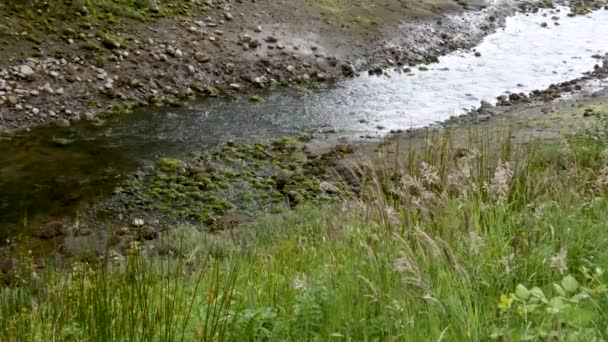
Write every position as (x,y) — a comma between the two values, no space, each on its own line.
(74,69)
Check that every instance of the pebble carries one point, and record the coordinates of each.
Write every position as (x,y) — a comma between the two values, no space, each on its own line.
(26,71)
(138,222)
(63,123)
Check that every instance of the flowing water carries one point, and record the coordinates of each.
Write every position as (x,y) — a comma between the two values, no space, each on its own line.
(49,172)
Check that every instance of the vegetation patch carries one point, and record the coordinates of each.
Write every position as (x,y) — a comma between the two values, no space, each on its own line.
(247,179)
(476,243)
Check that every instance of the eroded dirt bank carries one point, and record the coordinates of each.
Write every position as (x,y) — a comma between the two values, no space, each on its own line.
(61,66)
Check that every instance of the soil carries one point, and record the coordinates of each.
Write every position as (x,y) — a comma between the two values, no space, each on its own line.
(80,66)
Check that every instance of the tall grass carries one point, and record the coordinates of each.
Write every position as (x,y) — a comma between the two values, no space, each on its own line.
(439,245)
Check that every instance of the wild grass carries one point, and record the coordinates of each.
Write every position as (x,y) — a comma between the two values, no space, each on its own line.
(491,241)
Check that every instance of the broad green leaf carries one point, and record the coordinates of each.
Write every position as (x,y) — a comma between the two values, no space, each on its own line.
(560,290)
(522,292)
(569,283)
(536,292)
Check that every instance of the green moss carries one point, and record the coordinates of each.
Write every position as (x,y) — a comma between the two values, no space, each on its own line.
(248,178)
(170,164)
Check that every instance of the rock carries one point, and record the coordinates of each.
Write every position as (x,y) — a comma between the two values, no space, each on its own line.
(235,86)
(348,69)
(258,29)
(477,54)
(84,11)
(12,100)
(63,123)
(260,81)
(26,71)
(49,230)
(137,222)
(290,68)
(328,188)
(178,53)
(35,111)
(271,39)
(110,42)
(543,24)
(59,91)
(514,97)
(321,77)
(228,16)
(54,74)
(202,57)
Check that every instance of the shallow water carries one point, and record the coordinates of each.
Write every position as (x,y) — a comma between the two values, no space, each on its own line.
(49,172)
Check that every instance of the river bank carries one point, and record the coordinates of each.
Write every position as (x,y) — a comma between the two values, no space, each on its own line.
(450,244)
(53,176)
(60,65)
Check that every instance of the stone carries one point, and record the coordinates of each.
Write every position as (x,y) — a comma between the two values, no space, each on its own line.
(348,69)
(110,42)
(260,81)
(26,71)
(179,53)
(328,188)
(235,86)
(54,74)
(49,230)
(35,111)
(258,29)
(271,39)
(321,77)
(137,222)
(12,100)
(202,57)
(477,54)
(59,91)
(63,123)
(228,16)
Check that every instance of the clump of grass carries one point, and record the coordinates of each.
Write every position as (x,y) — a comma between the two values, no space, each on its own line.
(443,243)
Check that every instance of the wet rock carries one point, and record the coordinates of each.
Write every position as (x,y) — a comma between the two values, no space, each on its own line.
(271,39)
(321,77)
(348,70)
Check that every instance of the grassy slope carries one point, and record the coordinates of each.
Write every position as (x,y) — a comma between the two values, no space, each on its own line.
(431,251)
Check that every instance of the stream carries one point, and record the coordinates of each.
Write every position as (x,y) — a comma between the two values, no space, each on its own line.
(49,173)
